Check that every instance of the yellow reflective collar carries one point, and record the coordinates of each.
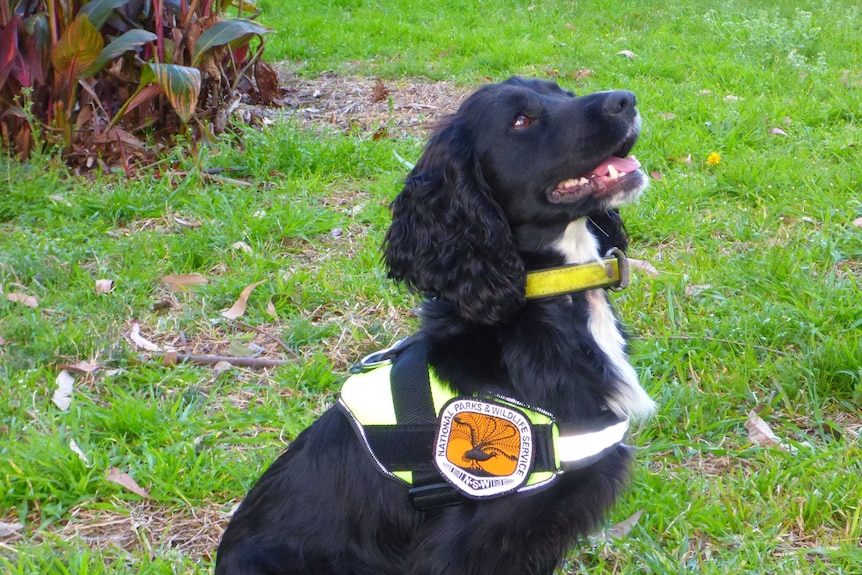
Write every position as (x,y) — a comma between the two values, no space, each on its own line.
(611,272)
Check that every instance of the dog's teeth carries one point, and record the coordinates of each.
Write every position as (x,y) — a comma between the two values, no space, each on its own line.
(583,181)
(568,183)
(613,173)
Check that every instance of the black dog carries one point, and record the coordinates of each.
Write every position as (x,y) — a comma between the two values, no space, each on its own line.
(526,455)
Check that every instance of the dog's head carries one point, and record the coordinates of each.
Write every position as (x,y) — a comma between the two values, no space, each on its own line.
(501,179)
(549,155)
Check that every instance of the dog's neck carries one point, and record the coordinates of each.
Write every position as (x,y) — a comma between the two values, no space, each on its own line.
(578,246)
(455,342)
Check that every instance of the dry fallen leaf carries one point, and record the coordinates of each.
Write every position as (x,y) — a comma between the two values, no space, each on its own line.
(266,79)
(695,289)
(242,246)
(74,447)
(139,340)
(4,342)
(238,308)
(236,349)
(9,529)
(62,397)
(104,286)
(627,53)
(625,527)
(777,132)
(379,93)
(222,366)
(644,266)
(270,310)
(581,74)
(163,303)
(28,300)
(124,480)
(667,115)
(183,281)
(857,222)
(656,176)
(759,432)
(82,366)
(60,200)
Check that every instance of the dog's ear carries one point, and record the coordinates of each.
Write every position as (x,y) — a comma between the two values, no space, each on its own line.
(610,230)
(449,239)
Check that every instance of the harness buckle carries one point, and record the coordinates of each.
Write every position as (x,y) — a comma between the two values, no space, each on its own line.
(380,357)
(623,264)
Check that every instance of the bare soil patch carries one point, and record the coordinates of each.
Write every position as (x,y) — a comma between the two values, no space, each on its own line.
(408,106)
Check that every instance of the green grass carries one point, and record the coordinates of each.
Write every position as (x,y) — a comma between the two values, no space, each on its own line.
(758,305)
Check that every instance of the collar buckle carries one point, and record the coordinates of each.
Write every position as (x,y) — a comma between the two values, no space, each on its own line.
(623,266)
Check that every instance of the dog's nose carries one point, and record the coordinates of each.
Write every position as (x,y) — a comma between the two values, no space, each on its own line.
(619,102)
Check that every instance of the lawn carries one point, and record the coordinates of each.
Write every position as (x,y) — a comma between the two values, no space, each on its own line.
(748,303)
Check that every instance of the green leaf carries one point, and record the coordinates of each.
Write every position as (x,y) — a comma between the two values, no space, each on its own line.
(235,31)
(131,40)
(180,84)
(98,11)
(77,50)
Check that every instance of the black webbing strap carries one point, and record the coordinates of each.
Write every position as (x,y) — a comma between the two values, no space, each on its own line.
(410,447)
(411,386)
(417,418)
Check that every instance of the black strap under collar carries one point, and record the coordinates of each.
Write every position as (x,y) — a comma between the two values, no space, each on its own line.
(413,446)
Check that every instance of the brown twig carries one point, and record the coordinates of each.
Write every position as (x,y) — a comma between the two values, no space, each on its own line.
(237,361)
(224,180)
(124,158)
(268,336)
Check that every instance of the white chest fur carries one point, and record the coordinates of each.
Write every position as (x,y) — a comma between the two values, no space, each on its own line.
(578,246)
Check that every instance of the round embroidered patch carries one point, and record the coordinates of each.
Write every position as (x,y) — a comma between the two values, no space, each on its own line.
(483,448)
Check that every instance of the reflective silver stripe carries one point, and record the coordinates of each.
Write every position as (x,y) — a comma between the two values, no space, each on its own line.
(572,448)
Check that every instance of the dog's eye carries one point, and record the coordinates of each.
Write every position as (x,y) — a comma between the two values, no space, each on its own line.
(521,121)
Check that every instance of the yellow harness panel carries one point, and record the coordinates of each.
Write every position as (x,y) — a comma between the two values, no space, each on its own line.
(484,445)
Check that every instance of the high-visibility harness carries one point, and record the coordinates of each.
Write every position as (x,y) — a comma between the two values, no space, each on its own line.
(445,447)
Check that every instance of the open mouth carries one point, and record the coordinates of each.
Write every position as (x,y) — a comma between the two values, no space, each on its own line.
(613,175)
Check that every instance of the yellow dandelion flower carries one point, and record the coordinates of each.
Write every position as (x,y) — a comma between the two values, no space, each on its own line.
(713,159)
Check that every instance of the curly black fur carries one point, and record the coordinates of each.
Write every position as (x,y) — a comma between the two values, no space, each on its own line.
(477,212)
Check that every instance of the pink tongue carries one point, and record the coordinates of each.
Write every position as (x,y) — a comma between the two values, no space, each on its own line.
(629,164)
